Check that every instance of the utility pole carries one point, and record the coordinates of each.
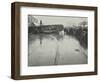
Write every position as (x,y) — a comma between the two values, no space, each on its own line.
(40,31)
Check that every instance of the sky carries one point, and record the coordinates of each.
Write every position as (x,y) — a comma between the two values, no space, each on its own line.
(64,20)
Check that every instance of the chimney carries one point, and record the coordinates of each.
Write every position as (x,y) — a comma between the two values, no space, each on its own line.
(41,23)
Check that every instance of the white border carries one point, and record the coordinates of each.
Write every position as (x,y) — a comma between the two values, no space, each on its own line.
(25,70)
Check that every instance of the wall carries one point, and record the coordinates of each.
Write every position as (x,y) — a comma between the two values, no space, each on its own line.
(5,40)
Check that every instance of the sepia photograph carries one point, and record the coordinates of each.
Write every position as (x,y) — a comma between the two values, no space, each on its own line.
(57,40)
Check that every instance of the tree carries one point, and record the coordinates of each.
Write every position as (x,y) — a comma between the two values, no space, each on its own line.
(32,20)
(83,24)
